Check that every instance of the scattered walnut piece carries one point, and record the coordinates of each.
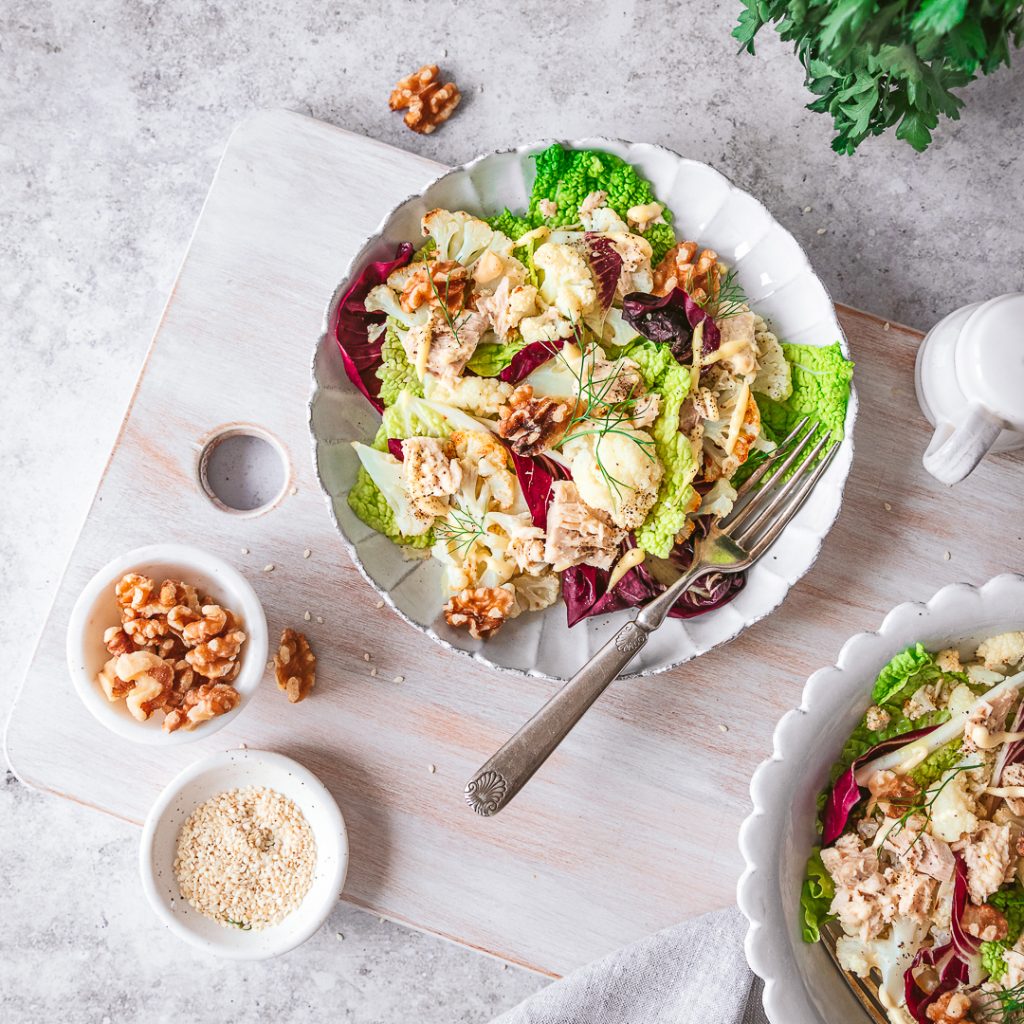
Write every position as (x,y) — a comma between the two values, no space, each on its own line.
(950,1008)
(482,610)
(441,281)
(295,666)
(426,101)
(984,922)
(682,267)
(532,425)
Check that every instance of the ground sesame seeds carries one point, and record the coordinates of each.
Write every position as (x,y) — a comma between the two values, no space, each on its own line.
(245,858)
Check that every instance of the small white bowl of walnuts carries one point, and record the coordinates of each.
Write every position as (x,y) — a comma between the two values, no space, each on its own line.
(166,643)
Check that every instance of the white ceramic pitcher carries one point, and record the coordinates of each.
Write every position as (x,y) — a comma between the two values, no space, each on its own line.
(970,385)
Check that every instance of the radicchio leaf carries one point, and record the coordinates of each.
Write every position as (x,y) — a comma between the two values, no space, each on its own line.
(535,478)
(351,326)
(845,794)
(952,959)
(585,588)
(671,318)
(395,447)
(606,266)
(526,360)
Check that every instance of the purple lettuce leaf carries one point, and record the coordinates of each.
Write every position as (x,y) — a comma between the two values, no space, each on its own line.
(606,266)
(395,447)
(671,319)
(845,794)
(527,359)
(535,478)
(585,588)
(352,323)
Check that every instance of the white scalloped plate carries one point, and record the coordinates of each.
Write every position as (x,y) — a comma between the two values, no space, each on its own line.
(774,272)
(801,985)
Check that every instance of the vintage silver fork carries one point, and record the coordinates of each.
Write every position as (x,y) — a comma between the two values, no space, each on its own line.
(733,544)
(864,989)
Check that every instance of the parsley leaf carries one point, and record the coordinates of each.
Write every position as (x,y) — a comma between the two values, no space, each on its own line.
(875,66)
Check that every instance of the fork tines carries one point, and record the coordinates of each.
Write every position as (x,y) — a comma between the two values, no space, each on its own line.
(754,524)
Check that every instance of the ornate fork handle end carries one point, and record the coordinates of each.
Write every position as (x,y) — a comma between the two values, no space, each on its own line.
(486,793)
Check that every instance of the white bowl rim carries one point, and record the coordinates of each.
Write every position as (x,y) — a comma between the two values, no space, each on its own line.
(251,610)
(588,142)
(767,957)
(278,763)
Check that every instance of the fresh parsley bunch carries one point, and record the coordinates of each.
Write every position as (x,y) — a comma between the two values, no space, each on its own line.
(873,65)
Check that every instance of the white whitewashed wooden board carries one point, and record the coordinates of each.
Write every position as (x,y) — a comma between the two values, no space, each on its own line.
(632,824)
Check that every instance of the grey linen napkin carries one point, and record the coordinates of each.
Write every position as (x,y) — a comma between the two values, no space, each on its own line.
(692,973)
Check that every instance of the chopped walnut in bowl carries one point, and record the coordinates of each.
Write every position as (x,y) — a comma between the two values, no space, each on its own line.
(166,642)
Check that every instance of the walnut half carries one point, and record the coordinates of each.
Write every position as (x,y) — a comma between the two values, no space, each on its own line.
(295,666)
(532,425)
(426,101)
(481,610)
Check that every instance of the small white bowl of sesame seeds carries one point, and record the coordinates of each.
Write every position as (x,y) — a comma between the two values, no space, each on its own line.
(244,854)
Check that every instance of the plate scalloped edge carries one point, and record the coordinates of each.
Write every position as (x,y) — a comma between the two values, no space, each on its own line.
(614,145)
(785,998)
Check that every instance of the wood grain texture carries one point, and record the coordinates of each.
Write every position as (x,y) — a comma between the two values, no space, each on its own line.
(632,824)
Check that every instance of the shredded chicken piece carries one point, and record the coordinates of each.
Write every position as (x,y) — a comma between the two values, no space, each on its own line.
(578,534)
(986,855)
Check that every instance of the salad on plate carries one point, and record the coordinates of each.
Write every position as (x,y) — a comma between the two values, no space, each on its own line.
(921,861)
(567,396)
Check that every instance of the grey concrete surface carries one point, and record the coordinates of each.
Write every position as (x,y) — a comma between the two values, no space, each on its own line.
(113,115)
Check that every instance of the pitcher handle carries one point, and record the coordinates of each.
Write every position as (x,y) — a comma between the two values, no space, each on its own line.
(954,452)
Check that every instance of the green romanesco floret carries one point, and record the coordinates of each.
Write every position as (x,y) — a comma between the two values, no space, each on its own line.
(396,373)
(1010,902)
(568,176)
(508,223)
(821,390)
(671,381)
(367,501)
(992,958)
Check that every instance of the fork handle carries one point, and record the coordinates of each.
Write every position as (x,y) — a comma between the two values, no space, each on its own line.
(501,778)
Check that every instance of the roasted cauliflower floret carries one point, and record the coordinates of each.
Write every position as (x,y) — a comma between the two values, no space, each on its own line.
(567,284)
(430,474)
(462,237)
(485,463)
(617,472)
(547,326)
(1003,651)
(578,534)
(482,396)
(774,374)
